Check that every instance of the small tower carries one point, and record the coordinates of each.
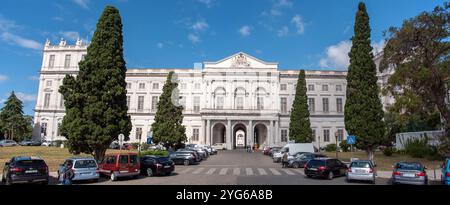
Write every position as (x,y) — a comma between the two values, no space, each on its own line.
(79,42)
(63,42)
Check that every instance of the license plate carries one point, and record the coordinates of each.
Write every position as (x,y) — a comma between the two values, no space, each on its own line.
(409,175)
(31,171)
(360,171)
(313,169)
(166,166)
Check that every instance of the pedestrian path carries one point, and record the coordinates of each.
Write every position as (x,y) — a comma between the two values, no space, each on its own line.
(245,171)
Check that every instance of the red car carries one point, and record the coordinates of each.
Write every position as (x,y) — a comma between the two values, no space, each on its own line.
(120,165)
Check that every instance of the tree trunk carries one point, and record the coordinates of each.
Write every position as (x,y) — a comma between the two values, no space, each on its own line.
(370,154)
(99,154)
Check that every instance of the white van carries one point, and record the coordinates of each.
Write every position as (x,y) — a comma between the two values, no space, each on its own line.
(293,149)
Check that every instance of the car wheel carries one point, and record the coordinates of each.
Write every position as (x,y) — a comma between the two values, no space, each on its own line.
(330,175)
(149,172)
(186,163)
(296,165)
(113,176)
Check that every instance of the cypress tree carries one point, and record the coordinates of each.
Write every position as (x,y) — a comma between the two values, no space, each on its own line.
(300,126)
(363,108)
(14,124)
(95,100)
(168,128)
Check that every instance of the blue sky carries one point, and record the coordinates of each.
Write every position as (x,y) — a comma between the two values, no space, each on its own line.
(177,33)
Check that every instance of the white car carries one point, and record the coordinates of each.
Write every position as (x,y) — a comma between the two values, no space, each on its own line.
(219,146)
(48,143)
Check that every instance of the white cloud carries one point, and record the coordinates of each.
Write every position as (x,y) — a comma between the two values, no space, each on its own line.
(82,3)
(283,3)
(70,35)
(20,41)
(299,24)
(26,97)
(200,25)
(3,78)
(160,45)
(34,78)
(277,7)
(207,3)
(245,31)
(194,38)
(6,25)
(283,31)
(337,55)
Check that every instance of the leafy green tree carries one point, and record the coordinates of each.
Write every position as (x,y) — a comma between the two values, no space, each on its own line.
(419,51)
(300,126)
(95,100)
(13,123)
(363,108)
(168,126)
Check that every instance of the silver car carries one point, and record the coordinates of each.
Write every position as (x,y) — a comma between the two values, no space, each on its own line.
(362,170)
(84,169)
(8,143)
(409,173)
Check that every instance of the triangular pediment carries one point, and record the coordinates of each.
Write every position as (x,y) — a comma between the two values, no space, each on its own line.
(241,60)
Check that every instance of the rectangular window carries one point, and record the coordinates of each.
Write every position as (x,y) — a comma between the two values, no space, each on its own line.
(140,103)
(183,86)
(326,135)
(260,103)
(128,85)
(340,135)
(195,134)
(58,130)
(311,105)
(197,104)
(310,87)
(128,101)
(67,61)
(283,87)
(44,128)
(51,62)
(326,107)
(47,100)
(324,87)
(141,85)
(338,88)
(139,133)
(197,86)
(314,135)
(61,102)
(339,105)
(155,86)
(49,83)
(240,103)
(284,137)
(283,105)
(154,102)
(220,101)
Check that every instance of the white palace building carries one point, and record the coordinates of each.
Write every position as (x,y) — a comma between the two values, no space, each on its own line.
(238,100)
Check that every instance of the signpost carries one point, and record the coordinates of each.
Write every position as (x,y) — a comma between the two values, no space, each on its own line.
(351,140)
(121,138)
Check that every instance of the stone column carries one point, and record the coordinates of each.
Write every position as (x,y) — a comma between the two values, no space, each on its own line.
(270,134)
(228,132)
(250,133)
(276,138)
(203,134)
(208,132)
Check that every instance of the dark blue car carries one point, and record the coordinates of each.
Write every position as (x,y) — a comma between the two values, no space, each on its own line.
(445,170)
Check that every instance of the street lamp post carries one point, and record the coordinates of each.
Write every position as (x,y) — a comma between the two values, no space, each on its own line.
(336,141)
(318,138)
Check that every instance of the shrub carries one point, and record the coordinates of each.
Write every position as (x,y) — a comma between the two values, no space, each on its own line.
(419,148)
(145,146)
(331,148)
(155,152)
(344,146)
(388,151)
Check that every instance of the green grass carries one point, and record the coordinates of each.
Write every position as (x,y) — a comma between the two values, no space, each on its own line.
(385,163)
(53,156)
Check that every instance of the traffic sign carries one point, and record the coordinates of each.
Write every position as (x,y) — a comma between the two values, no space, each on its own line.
(351,139)
(149,138)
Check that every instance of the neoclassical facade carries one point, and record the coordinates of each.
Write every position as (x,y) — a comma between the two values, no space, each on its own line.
(239,100)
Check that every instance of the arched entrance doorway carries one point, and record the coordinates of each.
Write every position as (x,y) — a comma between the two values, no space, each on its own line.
(219,133)
(239,136)
(260,135)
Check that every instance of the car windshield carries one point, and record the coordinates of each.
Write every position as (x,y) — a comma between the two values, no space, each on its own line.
(316,163)
(162,159)
(31,162)
(82,164)
(409,166)
(360,164)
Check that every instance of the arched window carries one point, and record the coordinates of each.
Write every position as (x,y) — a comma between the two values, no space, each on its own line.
(239,98)
(219,98)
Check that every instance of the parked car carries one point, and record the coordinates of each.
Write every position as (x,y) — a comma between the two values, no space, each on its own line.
(128,146)
(209,149)
(8,143)
(409,173)
(197,155)
(325,168)
(185,158)
(114,145)
(30,143)
(362,170)
(445,171)
(301,160)
(274,150)
(219,146)
(83,168)
(25,170)
(266,150)
(296,155)
(156,165)
(120,165)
